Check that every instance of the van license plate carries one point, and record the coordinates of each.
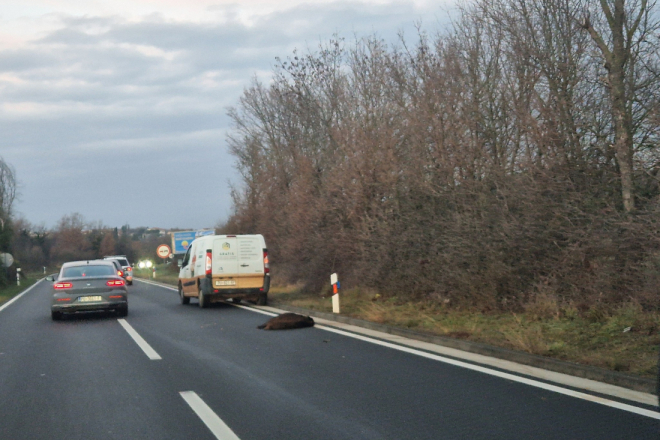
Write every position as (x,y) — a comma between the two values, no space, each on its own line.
(89,298)
(225,283)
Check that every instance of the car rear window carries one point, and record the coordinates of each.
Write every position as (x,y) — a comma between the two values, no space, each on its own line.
(87,271)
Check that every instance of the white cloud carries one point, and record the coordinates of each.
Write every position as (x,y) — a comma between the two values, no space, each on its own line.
(94,92)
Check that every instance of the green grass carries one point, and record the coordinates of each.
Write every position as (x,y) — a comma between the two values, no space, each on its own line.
(163,275)
(557,333)
(10,291)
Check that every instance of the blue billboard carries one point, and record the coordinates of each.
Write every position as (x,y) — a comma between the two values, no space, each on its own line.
(181,240)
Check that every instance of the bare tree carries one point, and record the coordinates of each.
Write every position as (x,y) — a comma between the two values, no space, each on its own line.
(628,25)
(7,191)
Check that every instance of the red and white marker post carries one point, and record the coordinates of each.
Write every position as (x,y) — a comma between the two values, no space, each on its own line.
(334,281)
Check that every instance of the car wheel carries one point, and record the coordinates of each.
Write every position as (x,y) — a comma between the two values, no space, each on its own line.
(184,299)
(56,316)
(122,312)
(203,300)
(236,300)
(262,300)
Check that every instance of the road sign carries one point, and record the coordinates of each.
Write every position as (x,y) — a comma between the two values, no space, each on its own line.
(6,260)
(163,251)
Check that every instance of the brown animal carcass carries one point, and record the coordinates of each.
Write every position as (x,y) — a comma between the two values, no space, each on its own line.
(287,321)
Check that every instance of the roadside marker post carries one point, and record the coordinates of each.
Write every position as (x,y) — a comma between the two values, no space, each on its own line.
(18,276)
(334,281)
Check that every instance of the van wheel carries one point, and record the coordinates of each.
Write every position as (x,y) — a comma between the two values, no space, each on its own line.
(184,299)
(203,300)
(262,300)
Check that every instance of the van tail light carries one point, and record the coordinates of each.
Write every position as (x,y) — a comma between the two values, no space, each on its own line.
(209,262)
(60,286)
(266,262)
(114,283)
(129,269)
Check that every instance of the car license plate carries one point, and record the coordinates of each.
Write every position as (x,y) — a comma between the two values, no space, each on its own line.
(89,298)
(225,283)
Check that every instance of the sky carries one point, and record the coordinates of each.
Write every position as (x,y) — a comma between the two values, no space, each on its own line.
(117,110)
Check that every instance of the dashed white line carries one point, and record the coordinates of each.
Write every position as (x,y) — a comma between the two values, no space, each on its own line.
(219,428)
(150,352)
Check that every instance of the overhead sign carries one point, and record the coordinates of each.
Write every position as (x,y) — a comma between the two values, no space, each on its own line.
(6,260)
(163,251)
(203,232)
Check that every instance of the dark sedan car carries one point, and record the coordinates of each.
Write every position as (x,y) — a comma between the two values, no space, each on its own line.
(84,286)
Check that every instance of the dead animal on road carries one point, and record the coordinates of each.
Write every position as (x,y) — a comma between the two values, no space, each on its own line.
(286,321)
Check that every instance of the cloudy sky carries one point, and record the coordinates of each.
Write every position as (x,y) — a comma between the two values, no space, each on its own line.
(117,109)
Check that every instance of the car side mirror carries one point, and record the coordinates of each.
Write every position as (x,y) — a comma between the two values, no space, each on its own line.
(50,278)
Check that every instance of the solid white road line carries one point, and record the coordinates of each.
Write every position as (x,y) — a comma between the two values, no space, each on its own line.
(5,305)
(511,377)
(155,283)
(150,352)
(219,429)
(606,388)
(511,366)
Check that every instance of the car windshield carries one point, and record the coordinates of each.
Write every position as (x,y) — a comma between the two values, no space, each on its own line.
(87,271)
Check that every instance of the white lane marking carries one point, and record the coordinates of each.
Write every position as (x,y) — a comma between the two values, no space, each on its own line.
(584,396)
(150,352)
(157,284)
(508,376)
(5,305)
(219,429)
(260,310)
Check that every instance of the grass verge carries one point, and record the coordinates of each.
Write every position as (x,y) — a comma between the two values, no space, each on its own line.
(624,339)
(8,292)
(163,275)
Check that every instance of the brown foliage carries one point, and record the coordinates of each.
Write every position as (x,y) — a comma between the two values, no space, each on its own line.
(476,167)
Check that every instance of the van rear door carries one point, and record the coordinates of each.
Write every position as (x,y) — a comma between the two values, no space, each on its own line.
(250,256)
(250,262)
(225,256)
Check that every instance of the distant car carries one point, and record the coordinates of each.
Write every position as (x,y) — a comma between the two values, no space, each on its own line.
(125,265)
(120,270)
(86,286)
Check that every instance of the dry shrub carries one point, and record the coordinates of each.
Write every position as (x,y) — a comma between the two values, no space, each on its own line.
(542,306)
(370,161)
(530,340)
(374,312)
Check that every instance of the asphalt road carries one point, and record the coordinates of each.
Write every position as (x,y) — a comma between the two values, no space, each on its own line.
(217,376)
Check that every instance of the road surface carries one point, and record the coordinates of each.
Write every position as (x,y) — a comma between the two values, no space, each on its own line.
(170,371)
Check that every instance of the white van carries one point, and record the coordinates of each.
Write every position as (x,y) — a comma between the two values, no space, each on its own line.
(219,267)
